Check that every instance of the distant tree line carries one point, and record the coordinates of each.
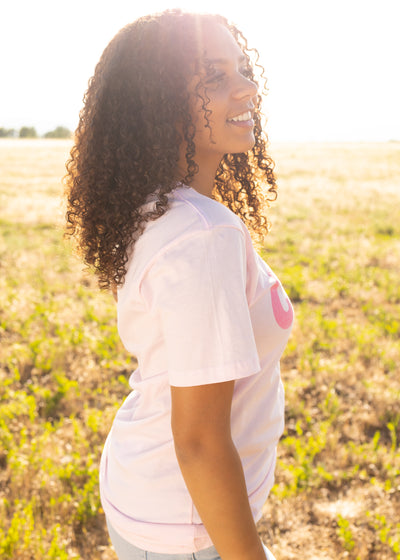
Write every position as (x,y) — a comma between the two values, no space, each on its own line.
(59,132)
(7,133)
(30,132)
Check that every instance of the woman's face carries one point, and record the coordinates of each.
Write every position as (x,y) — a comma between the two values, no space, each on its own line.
(232,97)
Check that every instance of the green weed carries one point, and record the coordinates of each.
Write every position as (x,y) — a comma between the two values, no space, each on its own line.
(345,533)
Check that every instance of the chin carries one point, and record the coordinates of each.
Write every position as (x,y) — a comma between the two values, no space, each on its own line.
(243,147)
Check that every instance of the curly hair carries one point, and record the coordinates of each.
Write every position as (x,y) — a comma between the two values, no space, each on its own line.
(127,141)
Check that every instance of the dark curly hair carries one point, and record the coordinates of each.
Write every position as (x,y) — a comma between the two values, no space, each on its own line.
(127,141)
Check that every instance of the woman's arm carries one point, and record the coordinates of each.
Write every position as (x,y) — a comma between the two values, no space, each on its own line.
(212,468)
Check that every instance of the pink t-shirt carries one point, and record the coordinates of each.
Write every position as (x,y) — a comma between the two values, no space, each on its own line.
(198,306)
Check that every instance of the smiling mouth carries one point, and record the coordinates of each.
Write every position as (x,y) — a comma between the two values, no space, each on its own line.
(243,120)
(242,117)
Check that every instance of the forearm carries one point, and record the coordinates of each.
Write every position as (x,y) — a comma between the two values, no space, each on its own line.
(214,477)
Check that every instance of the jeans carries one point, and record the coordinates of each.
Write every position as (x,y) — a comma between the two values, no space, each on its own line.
(127,551)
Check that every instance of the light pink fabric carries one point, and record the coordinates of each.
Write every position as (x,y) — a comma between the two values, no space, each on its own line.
(198,306)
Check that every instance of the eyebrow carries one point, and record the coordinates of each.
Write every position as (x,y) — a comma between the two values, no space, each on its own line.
(225,61)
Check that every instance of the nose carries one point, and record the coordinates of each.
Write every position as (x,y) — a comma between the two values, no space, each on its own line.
(244,88)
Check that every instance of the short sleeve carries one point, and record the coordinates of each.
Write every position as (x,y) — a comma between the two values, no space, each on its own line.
(196,288)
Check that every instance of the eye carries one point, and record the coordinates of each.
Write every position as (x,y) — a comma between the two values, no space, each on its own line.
(213,76)
(247,72)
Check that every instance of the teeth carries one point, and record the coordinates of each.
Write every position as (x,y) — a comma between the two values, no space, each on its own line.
(243,117)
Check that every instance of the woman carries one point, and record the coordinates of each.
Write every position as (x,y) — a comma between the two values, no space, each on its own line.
(168,166)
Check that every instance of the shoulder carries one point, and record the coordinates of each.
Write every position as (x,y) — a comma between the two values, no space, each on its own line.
(190,214)
(194,228)
(208,211)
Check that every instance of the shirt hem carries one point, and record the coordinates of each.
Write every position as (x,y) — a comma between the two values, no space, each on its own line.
(192,538)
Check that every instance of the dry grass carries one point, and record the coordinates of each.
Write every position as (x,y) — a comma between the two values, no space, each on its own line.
(334,244)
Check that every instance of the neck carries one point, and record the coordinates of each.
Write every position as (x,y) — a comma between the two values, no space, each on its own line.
(203,181)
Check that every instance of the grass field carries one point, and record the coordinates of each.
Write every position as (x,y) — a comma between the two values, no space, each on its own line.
(335,244)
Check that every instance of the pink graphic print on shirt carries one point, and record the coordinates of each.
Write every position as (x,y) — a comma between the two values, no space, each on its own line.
(283,313)
(284,317)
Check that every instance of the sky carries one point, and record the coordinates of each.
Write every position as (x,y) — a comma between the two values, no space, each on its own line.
(332,65)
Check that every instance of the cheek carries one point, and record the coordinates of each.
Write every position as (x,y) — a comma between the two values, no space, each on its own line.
(212,108)
(218,105)
(211,116)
